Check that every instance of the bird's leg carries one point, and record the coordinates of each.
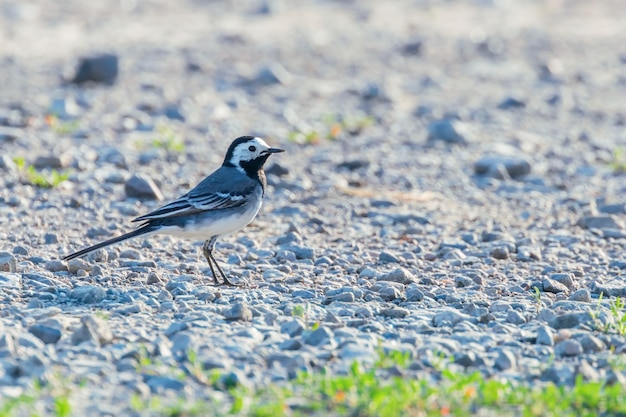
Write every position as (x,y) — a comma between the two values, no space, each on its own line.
(207,248)
(224,277)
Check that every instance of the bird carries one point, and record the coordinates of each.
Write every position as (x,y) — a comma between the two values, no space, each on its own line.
(222,203)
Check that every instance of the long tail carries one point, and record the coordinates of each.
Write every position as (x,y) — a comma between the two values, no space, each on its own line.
(148,228)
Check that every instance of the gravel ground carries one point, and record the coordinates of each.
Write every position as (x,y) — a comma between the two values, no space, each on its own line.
(444,159)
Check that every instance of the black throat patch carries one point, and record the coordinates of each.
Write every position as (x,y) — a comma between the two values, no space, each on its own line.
(254,169)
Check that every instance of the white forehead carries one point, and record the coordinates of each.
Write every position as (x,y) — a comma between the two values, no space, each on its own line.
(245,146)
(257,141)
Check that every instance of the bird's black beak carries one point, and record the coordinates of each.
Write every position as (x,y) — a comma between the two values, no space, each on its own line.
(275,150)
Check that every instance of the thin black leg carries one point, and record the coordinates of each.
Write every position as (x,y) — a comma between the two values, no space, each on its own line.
(207,248)
(224,277)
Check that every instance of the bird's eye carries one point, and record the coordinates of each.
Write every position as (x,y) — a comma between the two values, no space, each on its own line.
(252,148)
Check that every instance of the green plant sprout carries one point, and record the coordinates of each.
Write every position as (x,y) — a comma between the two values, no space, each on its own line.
(39,179)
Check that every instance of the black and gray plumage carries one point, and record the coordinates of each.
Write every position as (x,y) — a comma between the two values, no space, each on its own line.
(222,203)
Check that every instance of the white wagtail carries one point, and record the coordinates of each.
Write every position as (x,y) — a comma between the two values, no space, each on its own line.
(224,202)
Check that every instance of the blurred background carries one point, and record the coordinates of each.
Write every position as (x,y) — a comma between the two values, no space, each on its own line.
(277,67)
(177,81)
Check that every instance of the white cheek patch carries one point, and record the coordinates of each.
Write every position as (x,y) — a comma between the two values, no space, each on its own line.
(242,153)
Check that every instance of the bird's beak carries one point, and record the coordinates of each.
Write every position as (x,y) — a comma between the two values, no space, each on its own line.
(275,150)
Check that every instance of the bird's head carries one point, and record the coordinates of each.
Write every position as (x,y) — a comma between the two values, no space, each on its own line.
(248,153)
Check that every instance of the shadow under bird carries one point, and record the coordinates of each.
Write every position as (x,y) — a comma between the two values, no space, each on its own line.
(222,203)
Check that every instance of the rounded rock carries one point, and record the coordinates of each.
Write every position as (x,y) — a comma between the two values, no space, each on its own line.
(569,347)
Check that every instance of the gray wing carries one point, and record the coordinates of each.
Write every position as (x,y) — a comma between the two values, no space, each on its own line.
(225,188)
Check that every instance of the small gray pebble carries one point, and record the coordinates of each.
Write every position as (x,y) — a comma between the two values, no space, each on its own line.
(75,265)
(130,254)
(46,333)
(446,130)
(511,103)
(134,308)
(399,275)
(56,265)
(515,317)
(52,161)
(389,292)
(88,294)
(50,238)
(290,344)
(159,383)
(388,258)
(301,252)
(35,303)
(583,295)
(466,359)
(206,296)
(291,237)
(550,285)
(306,294)
(21,250)
(92,329)
(500,307)
(8,262)
(500,252)
(176,327)
(346,297)
(565,279)
(273,73)
(319,337)
(100,68)
(153,278)
(292,328)
(239,311)
(413,293)
(97,232)
(496,165)
(182,342)
(592,344)
(142,187)
(461,281)
(448,317)
(395,312)
(545,336)
(568,347)
(571,320)
(367,273)
(505,360)
(599,222)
